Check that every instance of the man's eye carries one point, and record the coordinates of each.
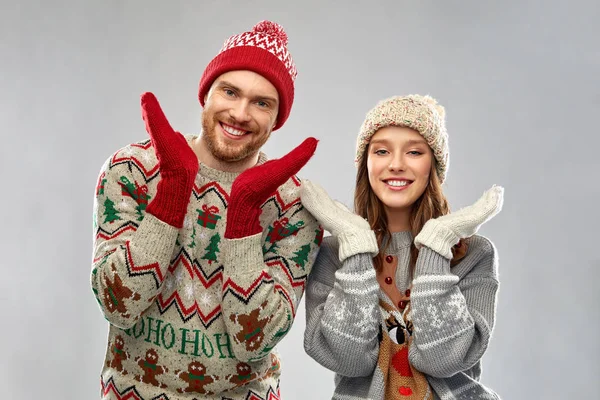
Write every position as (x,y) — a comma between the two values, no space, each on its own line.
(262,104)
(229,92)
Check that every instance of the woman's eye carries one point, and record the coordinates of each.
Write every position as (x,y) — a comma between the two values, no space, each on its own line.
(380,152)
(415,153)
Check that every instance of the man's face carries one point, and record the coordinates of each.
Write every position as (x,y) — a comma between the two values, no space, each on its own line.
(239,114)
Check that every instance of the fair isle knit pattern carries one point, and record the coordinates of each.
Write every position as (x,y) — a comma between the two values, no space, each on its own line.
(193,314)
(350,321)
(269,36)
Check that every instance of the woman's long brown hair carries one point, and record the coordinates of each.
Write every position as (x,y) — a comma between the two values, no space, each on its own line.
(431,204)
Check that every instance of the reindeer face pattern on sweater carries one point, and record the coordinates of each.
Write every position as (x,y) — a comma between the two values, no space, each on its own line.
(402,381)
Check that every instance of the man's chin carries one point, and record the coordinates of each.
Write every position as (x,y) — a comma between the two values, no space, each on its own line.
(228,156)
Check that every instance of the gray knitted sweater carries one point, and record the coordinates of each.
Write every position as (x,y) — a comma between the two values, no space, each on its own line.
(452,312)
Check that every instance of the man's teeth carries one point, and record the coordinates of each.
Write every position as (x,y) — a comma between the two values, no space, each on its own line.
(233,131)
(398,183)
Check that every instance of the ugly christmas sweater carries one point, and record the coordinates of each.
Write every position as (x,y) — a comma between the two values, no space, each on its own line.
(193,314)
(430,347)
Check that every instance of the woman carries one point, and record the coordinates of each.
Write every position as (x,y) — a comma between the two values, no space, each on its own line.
(401,305)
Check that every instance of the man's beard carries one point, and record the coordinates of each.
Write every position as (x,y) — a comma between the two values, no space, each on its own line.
(229,153)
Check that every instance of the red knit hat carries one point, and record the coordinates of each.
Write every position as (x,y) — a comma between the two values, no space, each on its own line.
(264,51)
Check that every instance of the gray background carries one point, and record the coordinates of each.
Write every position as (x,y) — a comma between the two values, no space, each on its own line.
(520,82)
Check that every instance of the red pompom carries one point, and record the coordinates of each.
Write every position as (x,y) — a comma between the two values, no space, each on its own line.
(272,29)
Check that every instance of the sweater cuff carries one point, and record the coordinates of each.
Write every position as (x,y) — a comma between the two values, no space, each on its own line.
(244,253)
(155,237)
(430,262)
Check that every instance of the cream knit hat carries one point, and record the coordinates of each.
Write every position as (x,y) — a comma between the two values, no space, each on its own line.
(421,113)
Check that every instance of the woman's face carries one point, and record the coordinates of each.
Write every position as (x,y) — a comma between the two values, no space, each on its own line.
(399,162)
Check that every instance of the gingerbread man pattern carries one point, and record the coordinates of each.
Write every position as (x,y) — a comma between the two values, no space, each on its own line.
(116,292)
(244,374)
(196,378)
(117,349)
(151,369)
(252,334)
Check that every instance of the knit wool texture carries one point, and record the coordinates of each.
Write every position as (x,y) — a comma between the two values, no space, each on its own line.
(442,233)
(263,50)
(379,352)
(177,161)
(352,231)
(421,113)
(255,185)
(191,313)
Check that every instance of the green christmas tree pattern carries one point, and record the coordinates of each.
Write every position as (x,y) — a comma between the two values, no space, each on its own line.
(193,236)
(212,249)
(110,213)
(301,256)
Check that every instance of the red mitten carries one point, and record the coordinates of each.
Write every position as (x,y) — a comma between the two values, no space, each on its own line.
(177,162)
(255,185)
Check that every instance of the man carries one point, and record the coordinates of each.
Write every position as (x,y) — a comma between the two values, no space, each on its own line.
(202,247)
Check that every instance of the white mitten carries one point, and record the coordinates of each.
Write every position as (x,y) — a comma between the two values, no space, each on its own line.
(353,233)
(442,233)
